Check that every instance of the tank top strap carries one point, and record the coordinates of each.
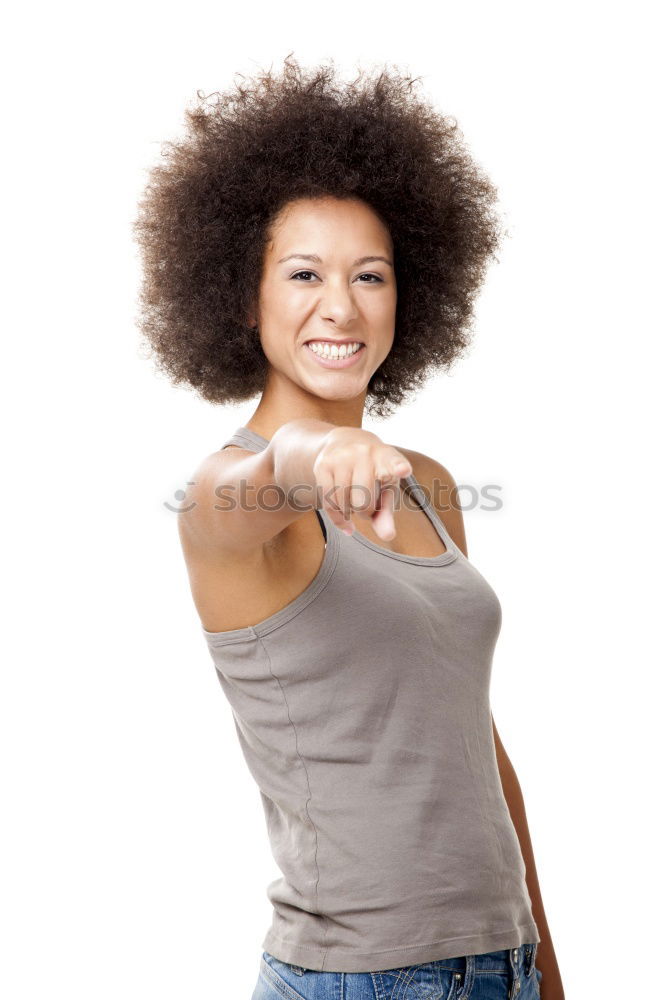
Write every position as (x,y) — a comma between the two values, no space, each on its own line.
(246,438)
(419,494)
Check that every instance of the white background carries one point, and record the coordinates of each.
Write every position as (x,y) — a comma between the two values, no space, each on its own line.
(134,853)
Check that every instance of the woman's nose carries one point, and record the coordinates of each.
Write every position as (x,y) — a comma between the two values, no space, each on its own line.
(338,303)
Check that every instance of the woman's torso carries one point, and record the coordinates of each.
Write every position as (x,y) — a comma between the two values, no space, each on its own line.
(362,710)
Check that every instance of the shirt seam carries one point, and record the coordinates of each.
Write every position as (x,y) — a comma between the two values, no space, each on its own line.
(408,947)
(307,779)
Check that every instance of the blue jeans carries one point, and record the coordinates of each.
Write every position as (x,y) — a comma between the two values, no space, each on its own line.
(495,975)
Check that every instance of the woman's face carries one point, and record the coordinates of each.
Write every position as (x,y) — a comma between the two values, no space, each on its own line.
(328,279)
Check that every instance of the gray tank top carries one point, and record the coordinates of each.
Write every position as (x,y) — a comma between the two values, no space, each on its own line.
(362,710)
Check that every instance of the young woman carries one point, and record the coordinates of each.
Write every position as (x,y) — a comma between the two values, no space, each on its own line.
(320,245)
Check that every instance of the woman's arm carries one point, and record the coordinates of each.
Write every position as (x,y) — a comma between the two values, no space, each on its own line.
(551,983)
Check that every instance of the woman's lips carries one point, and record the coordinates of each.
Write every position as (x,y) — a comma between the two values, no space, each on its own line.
(335,362)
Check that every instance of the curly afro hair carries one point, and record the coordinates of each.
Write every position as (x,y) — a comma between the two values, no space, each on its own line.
(204,220)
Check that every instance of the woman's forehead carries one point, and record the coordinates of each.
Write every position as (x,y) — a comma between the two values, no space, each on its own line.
(316,226)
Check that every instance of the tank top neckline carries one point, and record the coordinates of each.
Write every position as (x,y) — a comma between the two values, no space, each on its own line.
(247,435)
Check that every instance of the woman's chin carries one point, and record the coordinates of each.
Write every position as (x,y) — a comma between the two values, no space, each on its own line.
(323,389)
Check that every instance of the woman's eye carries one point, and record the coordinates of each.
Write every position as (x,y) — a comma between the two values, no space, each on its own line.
(375,277)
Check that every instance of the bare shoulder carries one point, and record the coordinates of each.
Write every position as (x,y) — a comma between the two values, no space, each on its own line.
(442,492)
(204,498)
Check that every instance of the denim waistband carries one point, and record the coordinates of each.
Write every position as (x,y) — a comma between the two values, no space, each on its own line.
(517,962)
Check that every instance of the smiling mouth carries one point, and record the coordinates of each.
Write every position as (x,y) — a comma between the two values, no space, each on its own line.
(339,343)
(326,351)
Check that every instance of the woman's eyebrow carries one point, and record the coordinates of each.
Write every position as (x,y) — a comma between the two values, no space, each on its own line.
(317,260)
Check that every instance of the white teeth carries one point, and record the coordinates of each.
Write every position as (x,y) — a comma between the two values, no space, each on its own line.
(326,350)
